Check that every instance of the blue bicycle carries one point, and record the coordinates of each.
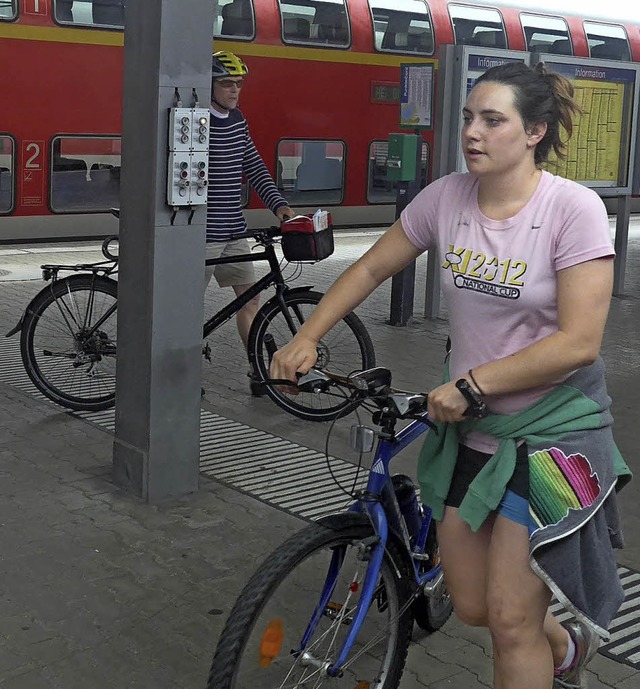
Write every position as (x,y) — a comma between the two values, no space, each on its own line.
(334,606)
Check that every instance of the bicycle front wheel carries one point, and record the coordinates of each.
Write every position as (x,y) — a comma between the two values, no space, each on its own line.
(347,347)
(272,639)
(68,342)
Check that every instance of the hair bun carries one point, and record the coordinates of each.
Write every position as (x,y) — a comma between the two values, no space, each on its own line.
(541,69)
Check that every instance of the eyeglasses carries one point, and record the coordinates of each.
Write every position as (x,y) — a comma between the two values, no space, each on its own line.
(230,83)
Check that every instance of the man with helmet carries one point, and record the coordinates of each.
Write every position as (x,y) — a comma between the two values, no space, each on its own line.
(232,153)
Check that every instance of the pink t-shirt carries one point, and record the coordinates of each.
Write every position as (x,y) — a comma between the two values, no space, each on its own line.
(499,276)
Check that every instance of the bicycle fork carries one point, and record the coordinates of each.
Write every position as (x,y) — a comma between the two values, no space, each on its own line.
(371,549)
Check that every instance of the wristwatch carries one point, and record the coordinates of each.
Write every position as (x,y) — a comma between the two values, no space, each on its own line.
(477,406)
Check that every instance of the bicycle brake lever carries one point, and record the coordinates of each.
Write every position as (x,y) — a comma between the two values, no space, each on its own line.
(425,420)
(429,423)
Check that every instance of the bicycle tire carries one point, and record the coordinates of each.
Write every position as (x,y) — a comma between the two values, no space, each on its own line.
(347,347)
(302,563)
(75,371)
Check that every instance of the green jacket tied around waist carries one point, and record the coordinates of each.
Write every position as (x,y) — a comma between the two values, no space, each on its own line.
(564,410)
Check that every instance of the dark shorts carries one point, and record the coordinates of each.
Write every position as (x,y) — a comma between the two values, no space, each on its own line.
(515,501)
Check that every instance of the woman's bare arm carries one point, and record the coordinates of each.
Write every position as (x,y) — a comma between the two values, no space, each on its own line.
(584,294)
(392,252)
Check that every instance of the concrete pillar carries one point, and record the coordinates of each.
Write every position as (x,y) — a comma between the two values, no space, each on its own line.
(160,295)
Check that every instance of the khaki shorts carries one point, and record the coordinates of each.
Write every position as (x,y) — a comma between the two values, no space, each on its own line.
(229,274)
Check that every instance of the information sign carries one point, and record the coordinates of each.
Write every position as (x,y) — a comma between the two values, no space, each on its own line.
(416,95)
(598,153)
(477,64)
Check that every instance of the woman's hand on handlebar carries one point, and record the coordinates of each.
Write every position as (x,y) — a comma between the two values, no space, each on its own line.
(298,356)
(446,404)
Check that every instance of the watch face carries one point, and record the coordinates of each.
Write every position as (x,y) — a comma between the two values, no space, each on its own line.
(463,385)
(477,407)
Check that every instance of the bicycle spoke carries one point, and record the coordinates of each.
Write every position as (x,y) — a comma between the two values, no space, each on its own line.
(344,349)
(294,601)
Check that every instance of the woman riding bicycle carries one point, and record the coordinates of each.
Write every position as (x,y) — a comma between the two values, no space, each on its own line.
(525,497)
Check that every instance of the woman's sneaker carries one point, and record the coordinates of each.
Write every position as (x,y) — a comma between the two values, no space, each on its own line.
(587,643)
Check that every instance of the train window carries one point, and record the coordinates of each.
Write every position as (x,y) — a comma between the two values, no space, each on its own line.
(8,9)
(6,174)
(607,41)
(379,188)
(317,22)
(85,173)
(234,18)
(477,26)
(546,34)
(402,26)
(108,13)
(311,173)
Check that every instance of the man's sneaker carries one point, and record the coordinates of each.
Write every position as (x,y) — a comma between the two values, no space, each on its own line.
(587,643)
(257,385)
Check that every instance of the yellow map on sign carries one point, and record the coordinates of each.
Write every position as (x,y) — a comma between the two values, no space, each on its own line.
(593,153)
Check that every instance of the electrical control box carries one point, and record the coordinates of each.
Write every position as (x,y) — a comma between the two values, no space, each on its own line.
(402,155)
(188,168)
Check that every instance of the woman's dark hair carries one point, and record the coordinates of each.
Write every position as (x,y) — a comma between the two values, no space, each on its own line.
(540,96)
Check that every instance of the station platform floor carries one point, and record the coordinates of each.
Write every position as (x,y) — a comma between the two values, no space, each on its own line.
(101,590)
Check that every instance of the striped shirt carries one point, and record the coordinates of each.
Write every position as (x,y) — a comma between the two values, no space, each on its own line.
(232,153)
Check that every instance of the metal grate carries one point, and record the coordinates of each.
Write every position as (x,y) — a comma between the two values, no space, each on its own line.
(283,474)
(288,476)
(624,643)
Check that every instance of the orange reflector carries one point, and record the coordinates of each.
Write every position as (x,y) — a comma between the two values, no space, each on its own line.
(363,685)
(271,643)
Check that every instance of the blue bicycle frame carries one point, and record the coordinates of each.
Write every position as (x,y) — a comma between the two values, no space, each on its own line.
(383,519)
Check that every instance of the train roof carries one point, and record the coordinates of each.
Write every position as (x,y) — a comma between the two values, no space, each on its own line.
(615,11)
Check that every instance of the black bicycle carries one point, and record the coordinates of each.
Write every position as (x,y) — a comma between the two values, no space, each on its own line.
(68,333)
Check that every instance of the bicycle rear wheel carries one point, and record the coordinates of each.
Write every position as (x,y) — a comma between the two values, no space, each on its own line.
(68,342)
(347,347)
(261,644)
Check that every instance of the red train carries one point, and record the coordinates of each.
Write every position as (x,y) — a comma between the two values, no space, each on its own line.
(336,61)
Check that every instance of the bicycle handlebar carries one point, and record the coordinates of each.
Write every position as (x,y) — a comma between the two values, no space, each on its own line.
(375,384)
(106,251)
(261,234)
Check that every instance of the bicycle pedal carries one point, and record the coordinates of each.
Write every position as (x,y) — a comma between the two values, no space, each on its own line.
(333,610)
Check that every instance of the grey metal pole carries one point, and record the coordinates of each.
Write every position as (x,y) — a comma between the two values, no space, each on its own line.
(160,295)
(432,288)
(444,160)
(403,283)
(623,215)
